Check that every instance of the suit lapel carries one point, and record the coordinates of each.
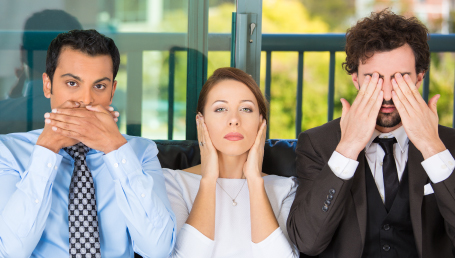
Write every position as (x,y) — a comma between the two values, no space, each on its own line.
(417,180)
(358,191)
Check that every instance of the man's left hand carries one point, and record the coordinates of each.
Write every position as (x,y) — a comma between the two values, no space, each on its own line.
(92,125)
(420,120)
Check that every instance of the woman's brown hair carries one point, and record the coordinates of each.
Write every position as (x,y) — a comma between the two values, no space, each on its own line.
(385,31)
(229,73)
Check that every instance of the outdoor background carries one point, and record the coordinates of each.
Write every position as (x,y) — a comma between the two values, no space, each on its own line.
(279,16)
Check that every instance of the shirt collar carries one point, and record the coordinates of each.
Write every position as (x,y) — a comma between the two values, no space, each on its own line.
(399,134)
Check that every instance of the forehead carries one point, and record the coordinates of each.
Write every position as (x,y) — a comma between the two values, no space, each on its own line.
(387,63)
(231,91)
(83,65)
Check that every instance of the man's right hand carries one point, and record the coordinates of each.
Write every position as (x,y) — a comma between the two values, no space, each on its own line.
(359,120)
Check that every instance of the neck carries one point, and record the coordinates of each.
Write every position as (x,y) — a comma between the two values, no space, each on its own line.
(388,129)
(231,166)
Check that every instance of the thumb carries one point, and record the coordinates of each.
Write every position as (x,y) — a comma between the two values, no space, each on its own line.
(432,104)
(97,108)
(346,107)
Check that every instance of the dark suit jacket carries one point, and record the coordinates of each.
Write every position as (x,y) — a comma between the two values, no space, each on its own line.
(340,231)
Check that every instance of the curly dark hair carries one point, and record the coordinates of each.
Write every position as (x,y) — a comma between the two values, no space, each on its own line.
(385,31)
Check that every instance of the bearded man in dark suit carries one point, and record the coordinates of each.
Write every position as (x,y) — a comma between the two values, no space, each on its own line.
(379,182)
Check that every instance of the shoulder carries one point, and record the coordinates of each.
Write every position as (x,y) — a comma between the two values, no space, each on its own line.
(327,129)
(279,186)
(179,179)
(143,147)
(19,142)
(323,138)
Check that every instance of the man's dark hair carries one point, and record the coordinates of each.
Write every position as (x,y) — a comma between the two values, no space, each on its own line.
(385,31)
(89,42)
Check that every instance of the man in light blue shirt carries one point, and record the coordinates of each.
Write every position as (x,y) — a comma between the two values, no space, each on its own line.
(133,211)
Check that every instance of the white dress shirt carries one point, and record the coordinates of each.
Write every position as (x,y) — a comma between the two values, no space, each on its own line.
(438,167)
(232,223)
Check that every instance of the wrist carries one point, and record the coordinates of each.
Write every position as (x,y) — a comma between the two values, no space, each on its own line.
(255,181)
(115,145)
(435,147)
(348,151)
(49,143)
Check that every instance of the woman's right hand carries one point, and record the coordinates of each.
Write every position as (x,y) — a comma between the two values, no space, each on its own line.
(209,155)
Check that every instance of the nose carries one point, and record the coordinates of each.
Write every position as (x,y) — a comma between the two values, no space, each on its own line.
(387,89)
(234,119)
(86,96)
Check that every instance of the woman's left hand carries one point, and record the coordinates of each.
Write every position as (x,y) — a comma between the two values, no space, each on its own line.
(253,165)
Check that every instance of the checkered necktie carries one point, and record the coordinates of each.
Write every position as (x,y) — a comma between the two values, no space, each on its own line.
(82,216)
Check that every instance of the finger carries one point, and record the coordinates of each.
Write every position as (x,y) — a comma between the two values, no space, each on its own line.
(98,108)
(432,104)
(370,88)
(415,89)
(408,89)
(260,137)
(374,111)
(114,114)
(346,107)
(67,133)
(199,131)
(51,117)
(70,104)
(63,125)
(399,105)
(77,112)
(362,90)
(374,97)
(205,135)
(403,100)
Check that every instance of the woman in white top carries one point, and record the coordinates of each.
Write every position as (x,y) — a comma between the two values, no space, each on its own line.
(226,207)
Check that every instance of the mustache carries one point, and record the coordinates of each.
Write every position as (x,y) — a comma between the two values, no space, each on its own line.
(388,102)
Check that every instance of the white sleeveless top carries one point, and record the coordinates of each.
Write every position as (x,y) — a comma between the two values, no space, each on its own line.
(232,223)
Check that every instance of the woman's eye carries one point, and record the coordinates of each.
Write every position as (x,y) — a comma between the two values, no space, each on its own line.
(71,84)
(100,86)
(220,109)
(248,110)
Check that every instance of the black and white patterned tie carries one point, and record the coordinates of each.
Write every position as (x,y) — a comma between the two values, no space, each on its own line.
(84,240)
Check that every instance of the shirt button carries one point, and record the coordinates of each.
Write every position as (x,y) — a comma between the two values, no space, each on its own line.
(36,201)
(443,166)
(116,165)
(49,165)
(143,195)
(386,227)
(123,161)
(386,247)
(337,169)
(55,167)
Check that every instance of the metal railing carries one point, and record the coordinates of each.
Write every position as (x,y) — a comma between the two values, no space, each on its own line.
(134,44)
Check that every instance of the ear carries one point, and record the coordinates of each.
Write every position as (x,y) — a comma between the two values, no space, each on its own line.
(47,86)
(114,87)
(355,80)
(420,77)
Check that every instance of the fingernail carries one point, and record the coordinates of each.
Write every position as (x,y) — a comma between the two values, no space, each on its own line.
(398,75)
(111,109)
(116,119)
(77,104)
(47,115)
(116,113)
(375,75)
(47,121)
(54,128)
(54,110)
(88,106)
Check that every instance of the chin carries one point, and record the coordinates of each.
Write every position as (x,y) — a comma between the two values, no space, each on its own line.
(230,149)
(388,120)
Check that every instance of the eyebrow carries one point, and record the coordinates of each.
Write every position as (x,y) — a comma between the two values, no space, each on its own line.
(79,78)
(224,101)
(382,76)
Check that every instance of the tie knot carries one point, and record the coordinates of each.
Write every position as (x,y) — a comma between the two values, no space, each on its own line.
(77,151)
(386,144)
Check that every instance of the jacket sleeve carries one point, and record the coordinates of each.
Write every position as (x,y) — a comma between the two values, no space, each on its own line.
(320,199)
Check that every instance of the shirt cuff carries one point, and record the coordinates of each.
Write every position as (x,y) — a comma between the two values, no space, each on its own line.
(439,166)
(341,166)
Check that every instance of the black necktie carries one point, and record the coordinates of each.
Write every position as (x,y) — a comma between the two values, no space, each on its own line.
(84,240)
(389,170)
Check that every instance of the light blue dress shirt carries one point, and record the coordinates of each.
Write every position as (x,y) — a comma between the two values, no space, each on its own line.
(134,213)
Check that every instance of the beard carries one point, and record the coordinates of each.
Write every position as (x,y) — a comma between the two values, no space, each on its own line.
(388,119)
